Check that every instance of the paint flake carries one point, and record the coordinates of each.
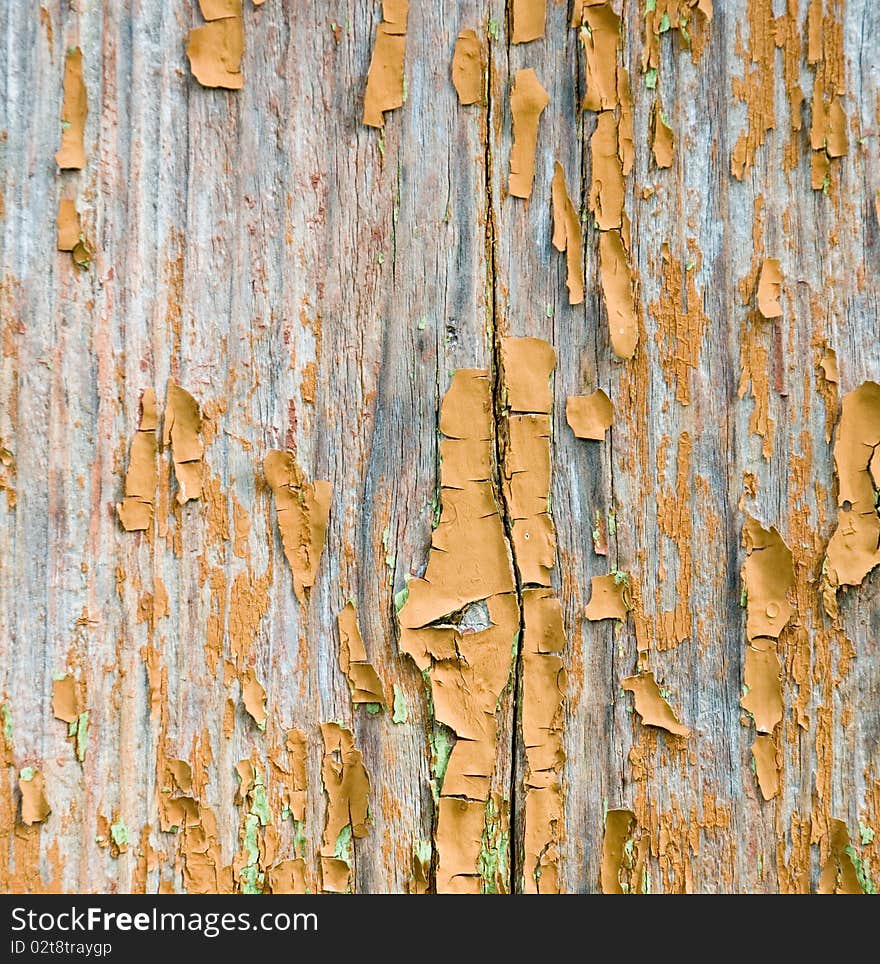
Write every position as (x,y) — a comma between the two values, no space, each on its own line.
(216,48)
(467,68)
(589,416)
(651,706)
(609,597)
(363,681)
(528,17)
(303,512)
(527,102)
(74,110)
(385,80)
(347,786)
(142,476)
(182,431)
(567,236)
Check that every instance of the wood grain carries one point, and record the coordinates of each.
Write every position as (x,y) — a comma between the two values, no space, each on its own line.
(249,242)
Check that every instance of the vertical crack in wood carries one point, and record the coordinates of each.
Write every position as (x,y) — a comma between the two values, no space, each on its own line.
(492,322)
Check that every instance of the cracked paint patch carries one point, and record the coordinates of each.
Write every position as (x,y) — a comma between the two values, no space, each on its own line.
(839,872)
(347,786)
(459,623)
(142,476)
(768,579)
(770,289)
(854,548)
(70,235)
(609,597)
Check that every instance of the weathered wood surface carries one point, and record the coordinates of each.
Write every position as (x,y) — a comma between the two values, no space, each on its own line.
(242,238)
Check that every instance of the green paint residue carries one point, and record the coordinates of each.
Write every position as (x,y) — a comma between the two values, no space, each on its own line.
(436,509)
(252,878)
(423,850)
(342,849)
(612,522)
(441,747)
(866,834)
(373,708)
(250,875)
(259,803)
(27,774)
(867,884)
(650,6)
(493,859)
(651,79)
(493,29)
(299,838)
(664,23)
(119,834)
(399,714)
(82,735)
(6,713)
(400,599)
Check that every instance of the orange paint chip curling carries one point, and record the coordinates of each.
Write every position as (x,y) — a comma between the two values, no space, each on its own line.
(254,697)
(385,80)
(651,706)
(609,597)
(68,225)
(527,102)
(617,290)
(662,141)
(216,48)
(589,416)
(619,826)
(770,288)
(529,18)
(600,36)
(347,786)
(768,575)
(34,805)
(567,236)
(363,681)
(182,431)
(467,68)
(764,754)
(74,110)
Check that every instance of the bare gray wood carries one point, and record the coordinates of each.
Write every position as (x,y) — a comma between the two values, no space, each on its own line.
(241,237)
